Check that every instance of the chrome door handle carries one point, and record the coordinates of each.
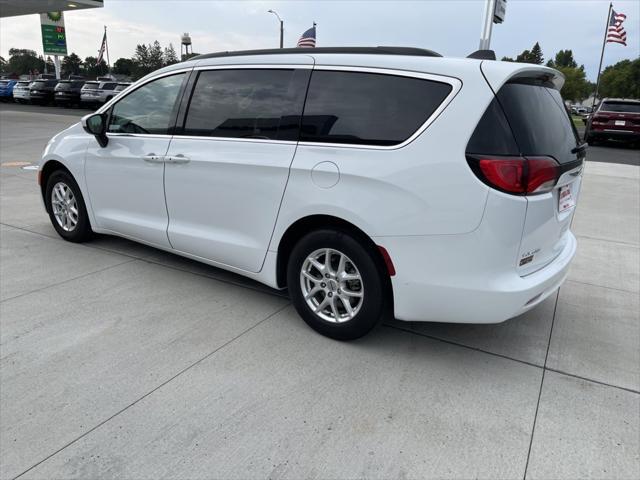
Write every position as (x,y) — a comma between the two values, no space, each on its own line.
(153,158)
(178,159)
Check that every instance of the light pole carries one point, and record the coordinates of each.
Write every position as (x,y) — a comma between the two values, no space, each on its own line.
(281,27)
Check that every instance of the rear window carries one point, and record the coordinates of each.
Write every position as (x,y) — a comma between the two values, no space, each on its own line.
(40,84)
(90,85)
(368,108)
(3,83)
(626,107)
(108,86)
(526,119)
(247,103)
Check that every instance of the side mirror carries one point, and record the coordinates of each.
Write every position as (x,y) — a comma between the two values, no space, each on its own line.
(96,125)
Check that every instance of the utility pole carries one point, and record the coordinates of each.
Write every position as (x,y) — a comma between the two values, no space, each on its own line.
(281,27)
(494,12)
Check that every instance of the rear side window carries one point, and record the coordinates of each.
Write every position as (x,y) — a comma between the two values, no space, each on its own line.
(539,121)
(368,108)
(247,103)
(623,107)
(108,86)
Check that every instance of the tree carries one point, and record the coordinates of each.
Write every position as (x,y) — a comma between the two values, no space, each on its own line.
(3,64)
(71,65)
(531,56)
(124,66)
(170,55)
(156,56)
(576,87)
(621,80)
(507,59)
(23,61)
(564,58)
(141,61)
(94,69)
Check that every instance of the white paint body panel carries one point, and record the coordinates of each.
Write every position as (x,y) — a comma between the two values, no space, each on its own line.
(126,192)
(224,202)
(454,241)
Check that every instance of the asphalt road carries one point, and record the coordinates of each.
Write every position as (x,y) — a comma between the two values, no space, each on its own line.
(121,361)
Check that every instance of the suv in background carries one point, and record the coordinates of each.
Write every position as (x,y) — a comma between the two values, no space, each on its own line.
(97,93)
(6,89)
(616,119)
(21,91)
(67,92)
(358,178)
(42,91)
(120,87)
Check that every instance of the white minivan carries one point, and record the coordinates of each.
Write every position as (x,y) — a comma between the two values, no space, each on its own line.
(364,180)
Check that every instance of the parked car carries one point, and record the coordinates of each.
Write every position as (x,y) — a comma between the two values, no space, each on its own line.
(42,91)
(67,92)
(6,90)
(97,93)
(120,87)
(21,91)
(614,119)
(360,179)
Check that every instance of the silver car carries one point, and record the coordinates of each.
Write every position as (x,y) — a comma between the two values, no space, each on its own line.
(98,92)
(21,91)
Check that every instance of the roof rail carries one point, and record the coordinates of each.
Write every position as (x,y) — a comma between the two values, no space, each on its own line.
(420,52)
(483,55)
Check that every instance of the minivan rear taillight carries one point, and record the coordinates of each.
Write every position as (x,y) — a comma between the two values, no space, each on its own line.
(516,175)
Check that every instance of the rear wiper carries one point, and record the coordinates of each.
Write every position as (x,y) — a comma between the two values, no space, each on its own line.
(580,148)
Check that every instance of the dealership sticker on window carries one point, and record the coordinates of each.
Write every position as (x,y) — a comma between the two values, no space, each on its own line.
(565,199)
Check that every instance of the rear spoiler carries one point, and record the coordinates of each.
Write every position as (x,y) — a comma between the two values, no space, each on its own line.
(499,73)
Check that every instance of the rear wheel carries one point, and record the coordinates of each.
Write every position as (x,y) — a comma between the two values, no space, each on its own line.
(335,284)
(66,208)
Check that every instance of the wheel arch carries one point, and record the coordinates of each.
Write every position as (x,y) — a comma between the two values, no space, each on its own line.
(310,223)
(47,170)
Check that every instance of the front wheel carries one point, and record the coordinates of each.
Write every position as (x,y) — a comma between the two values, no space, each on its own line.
(335,284)
(66,208)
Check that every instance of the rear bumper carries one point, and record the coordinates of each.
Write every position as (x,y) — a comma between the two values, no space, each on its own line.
(472,298)
(630,135)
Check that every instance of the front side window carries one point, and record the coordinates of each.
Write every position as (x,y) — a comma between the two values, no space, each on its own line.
(247,103)
(149,109)
(368,108)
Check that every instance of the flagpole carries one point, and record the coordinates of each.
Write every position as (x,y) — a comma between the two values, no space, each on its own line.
(106,46)
(604,42)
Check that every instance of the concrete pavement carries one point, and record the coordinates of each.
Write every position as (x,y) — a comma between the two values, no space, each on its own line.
(121,361)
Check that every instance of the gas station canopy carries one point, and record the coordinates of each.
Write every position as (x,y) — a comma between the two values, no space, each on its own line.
(12,8)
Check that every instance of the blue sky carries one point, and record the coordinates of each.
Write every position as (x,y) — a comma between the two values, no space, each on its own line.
(451,27)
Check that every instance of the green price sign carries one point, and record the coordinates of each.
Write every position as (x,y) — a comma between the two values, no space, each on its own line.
(54,37)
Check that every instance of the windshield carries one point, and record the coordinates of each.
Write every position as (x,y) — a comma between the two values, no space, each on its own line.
(627,107)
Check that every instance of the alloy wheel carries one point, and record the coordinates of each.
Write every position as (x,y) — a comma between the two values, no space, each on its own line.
(332,285)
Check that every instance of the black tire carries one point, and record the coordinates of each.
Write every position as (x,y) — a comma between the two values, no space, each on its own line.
(372,306)
(82,230)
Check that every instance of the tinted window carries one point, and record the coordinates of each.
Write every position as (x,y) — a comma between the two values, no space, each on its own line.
(247,103)
(368,108)
(147,109)
(40,84)
(493,134)
(539,121)
(108,86)
(627,107)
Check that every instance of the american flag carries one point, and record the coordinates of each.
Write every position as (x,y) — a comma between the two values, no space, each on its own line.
(102,48)
(616,32)
(308,38)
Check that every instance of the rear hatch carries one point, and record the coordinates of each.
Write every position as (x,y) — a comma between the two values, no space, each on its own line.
(617,116)
(526,145)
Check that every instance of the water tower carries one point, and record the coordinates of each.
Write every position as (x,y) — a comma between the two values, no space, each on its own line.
(185,41)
